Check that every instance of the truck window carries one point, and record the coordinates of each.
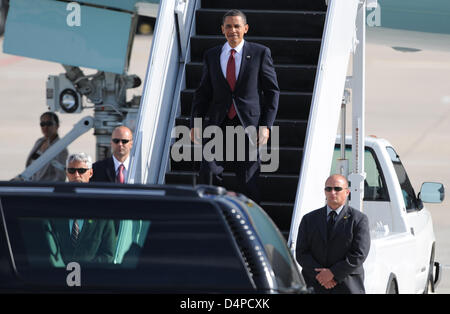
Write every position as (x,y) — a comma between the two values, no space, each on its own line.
(409,195)
(374,185)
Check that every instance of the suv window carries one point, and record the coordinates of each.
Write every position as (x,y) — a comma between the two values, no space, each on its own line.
(409,195)
(275,246)
(374,185)
(177,246)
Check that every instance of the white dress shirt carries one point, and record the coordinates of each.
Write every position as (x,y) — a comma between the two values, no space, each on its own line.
(337,210)
(126,164)
(225,55)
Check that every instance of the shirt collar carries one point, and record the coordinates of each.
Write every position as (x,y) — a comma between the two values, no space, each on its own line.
(118,163)
(338,210)
(226,47)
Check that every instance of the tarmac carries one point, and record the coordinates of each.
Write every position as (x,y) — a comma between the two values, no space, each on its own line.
(407,102)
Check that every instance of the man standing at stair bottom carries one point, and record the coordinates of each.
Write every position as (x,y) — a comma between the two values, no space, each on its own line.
(238,87)
(333,242)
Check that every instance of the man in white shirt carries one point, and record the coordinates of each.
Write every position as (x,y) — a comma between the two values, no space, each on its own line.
(115,168)
(239,87)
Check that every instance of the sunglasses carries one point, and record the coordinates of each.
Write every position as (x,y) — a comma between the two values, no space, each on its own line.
(331,188)
(79,170)
(117,140)
(47,123)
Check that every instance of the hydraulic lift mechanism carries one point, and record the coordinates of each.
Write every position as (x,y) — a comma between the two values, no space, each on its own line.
(95,34)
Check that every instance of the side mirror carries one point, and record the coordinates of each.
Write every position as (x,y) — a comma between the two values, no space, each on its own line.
(432,192)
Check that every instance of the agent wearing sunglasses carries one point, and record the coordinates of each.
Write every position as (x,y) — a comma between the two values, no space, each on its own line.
(115,168)
(79,168)
(333,242)
(54,170)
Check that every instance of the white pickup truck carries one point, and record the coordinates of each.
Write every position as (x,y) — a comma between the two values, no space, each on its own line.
(401,258)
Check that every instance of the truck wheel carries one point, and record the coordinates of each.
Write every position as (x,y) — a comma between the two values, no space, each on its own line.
(392,286)
(429,285)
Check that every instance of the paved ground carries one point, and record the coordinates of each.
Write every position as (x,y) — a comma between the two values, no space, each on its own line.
(408,102)
(22,101)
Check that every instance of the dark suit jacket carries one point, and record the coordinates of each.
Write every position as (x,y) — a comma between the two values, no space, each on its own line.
(104,171)
(255,95)
(96,242)
(344,253)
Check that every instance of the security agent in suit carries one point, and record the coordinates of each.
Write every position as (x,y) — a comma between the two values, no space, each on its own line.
(253,96)
(107,170)
(95,240)
(331,250)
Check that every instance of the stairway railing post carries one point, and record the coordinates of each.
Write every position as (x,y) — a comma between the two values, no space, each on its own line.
(358,175)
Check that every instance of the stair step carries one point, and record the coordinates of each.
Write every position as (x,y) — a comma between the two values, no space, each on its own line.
(292,29)
(305,24)
(274,188)
(292,105)
(291,77)
(289,158)
(291,132)
(299,5)
(284,50)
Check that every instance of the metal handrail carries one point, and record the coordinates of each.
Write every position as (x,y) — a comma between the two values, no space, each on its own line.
(159,104)
(338,42)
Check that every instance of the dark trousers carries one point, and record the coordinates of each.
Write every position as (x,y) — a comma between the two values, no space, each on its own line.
(245,185)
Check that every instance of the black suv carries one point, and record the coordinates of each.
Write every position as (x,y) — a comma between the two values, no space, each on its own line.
(137,238)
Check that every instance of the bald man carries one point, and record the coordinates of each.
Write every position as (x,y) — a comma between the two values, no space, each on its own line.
(333,242)
(115,168)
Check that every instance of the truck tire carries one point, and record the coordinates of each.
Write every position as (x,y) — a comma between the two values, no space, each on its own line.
(429,285)
(392,285)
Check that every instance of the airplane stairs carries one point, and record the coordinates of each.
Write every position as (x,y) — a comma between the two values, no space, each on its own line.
(293,31)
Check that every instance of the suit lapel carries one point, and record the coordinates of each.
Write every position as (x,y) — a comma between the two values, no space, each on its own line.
(110,170)
(323,223)
(87,228)
(63,230)
(219,67)
(244,61)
